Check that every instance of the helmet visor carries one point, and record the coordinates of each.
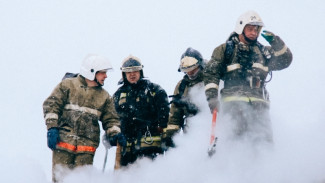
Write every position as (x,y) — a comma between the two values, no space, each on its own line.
(258,23)
(131,65)
(131,69)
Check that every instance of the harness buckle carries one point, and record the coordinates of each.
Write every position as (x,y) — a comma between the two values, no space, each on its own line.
(146,135)
(254,82)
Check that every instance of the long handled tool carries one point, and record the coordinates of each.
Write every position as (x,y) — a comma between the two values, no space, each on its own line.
(213,138)
(105,160)
(118,157)
(107,146)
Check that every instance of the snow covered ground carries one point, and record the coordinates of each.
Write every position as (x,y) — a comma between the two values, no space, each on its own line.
(41,40)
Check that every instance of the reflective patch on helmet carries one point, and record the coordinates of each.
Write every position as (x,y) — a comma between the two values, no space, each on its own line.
(188,64)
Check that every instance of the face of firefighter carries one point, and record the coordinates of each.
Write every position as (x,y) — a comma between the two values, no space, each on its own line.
(101,76)
(193,73)
(251,32)
(133,77)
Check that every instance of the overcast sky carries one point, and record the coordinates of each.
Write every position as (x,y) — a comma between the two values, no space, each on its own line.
(40,40)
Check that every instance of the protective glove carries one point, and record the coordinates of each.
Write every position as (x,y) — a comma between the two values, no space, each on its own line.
(168,132)
(213,104)
(177,101)
(192,108)
(269,36)
(53,138)
(166,138)
(120,138)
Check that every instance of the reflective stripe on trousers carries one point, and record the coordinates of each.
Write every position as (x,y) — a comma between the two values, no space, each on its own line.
(74,148)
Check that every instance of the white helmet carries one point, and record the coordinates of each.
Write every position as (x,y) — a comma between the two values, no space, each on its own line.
(251,18)
(92,64)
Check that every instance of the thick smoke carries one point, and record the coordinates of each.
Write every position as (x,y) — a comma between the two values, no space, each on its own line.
(236,160)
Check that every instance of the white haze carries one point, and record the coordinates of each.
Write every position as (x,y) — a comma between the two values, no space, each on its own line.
(41,40)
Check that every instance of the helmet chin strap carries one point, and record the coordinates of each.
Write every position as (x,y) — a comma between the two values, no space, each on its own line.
(195,75)
(99,84)
(249,40)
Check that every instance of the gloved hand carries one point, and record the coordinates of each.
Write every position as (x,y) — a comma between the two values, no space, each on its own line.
(168,132)
(53,138)
(180,102)
(192,108)
(120,138)
(213,104)
(166,138)
(269,36)
(177,101)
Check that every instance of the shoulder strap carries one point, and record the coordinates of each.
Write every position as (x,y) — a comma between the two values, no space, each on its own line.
(69,75)
(182,87)
(266,53)
(230,45)
(230,49)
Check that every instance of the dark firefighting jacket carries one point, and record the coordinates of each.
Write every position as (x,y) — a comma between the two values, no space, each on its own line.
(142,107)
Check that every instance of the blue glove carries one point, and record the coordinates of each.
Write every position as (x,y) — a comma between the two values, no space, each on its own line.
(52,138)
(269,36)
(120,138)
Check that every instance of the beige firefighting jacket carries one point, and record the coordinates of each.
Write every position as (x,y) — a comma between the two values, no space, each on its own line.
(177,114)
(75,109)
(244,82)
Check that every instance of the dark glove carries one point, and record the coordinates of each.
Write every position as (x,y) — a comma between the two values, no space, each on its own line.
(52,138)
(166,143)
(192,108)
(177,101)
(213,104)
(120,138)
(269,36)
(167,137)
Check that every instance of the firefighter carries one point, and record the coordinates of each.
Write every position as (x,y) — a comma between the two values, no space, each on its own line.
(72,112)
(143,109)
(182,107)
(243,63)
